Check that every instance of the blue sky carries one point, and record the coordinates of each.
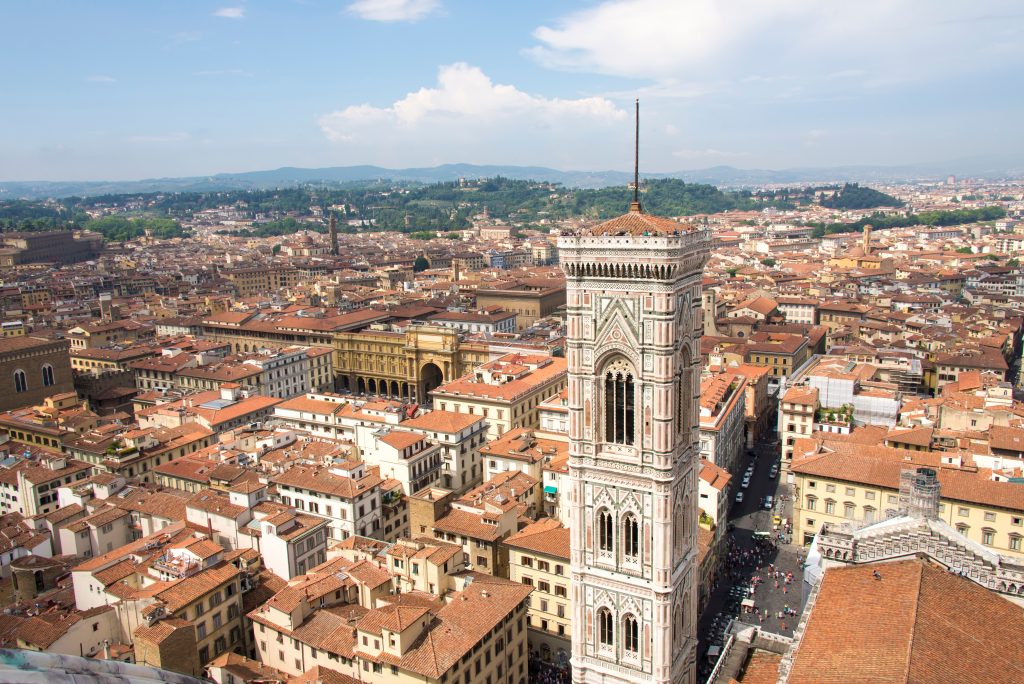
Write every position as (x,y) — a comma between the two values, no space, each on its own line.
(142,89)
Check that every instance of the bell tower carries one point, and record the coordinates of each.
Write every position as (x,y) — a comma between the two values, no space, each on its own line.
(633,287)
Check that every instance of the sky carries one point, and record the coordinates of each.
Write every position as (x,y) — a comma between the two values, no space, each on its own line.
(110,90)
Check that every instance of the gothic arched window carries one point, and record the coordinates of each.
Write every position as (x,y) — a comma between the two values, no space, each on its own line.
(20,381)
(630,536)
(605,627)
(47,375)
(619,404)
(605,530)
(631,634)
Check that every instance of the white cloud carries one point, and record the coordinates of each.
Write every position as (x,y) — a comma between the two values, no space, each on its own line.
(100,79)
(394,10)
(230,13)
(466,98)
(711,40)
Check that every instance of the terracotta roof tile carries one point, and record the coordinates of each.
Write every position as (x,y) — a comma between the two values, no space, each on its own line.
(639,223)
(547,536)
(915,623)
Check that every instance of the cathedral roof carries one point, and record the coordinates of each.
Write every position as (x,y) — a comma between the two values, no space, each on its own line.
(638,223)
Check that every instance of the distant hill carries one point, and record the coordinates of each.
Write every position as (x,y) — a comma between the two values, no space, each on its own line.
(724,176)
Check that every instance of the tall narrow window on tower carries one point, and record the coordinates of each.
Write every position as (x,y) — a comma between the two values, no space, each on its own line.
(631,634)
(606,625)
(630,537)
(605,531)
(619,403)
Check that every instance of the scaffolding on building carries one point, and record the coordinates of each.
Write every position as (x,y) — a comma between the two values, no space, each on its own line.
(919,493)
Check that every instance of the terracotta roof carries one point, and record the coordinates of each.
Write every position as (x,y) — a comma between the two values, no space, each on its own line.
(522,444)
(23,342)
(160,630)
(322,480)
(468,524)
(763,668)
(917,623)
(635,222)
(400,440)
(547,536)
(45,629)
(246,669)
(462,623)
(190,589)
(801,395)
(467,387)
(394,618)
(1006,438)
(881,466)
(442,421)
(716,477)
(919,436)
(212,501)
(322,675)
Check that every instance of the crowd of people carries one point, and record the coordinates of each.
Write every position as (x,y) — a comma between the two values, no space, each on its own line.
(548,673)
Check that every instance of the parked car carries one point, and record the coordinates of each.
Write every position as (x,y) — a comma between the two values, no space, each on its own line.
(768,502)
(746,482)
(774,472)
(739,497)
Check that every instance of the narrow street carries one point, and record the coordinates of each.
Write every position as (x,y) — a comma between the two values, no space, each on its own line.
(753,559)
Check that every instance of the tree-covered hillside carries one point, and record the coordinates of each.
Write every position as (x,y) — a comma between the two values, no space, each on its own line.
(410,207)
(854,196)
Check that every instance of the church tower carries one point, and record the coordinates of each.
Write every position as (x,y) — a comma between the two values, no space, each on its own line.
(634,325)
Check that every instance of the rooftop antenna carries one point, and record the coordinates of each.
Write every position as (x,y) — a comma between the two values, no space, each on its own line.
(635,205)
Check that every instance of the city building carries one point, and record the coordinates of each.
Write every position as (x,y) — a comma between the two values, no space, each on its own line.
(348,494)
(506,392)
(841,482)
(530,298)
(31,369)
(57,246)
(460,437)
(538,556)
(723,420)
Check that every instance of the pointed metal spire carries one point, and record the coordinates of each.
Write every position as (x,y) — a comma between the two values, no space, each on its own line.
(635,206)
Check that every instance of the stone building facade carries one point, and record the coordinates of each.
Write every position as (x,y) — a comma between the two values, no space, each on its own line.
(31,369)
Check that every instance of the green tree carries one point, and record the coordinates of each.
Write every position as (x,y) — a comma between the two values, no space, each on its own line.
(769,262)
(421,264)
(853,196)
(965,250)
